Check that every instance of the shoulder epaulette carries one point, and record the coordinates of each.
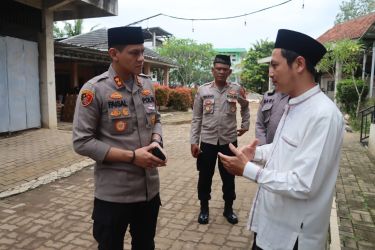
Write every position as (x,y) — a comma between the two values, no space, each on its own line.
(98,78)
(145,76)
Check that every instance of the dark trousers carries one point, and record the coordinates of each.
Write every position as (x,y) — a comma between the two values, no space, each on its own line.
(112,219)
(255,247)
(206,166)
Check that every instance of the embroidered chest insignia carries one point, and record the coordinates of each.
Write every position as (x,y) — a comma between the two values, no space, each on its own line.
(125,111)
(115,113)
(146,92)
(87,96)
(120,126)
(116,95)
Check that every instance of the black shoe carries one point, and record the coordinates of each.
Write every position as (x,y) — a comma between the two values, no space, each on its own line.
(203,217)
(231,217)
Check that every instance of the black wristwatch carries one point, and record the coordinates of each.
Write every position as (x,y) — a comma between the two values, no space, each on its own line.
(159,142)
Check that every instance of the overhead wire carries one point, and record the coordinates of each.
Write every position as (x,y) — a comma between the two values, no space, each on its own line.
(211,19)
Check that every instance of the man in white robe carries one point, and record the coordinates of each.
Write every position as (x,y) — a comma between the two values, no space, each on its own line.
(291,209)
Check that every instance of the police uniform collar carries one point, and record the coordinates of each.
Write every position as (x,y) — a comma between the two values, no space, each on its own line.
(214,85)
(270,93)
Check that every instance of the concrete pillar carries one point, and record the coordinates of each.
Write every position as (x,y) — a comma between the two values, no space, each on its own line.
(47,72)
(338,77)
(146,68)
(165,76)
(75,74)
(371,140)
(154,40)
(372,70)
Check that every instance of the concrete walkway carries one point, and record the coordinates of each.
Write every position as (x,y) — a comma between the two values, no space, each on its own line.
(355,196)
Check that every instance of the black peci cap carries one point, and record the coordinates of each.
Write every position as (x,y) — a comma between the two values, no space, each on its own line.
(302,44)
(224,59)
(125,36)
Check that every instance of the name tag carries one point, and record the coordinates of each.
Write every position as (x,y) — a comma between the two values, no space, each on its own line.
(148,99)
(117,104)
(208,96)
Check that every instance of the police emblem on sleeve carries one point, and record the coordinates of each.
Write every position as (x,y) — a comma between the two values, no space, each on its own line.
(87,96)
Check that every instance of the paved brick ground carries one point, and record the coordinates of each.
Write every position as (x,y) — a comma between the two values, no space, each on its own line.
(57,215)
(27,155)
(355,196)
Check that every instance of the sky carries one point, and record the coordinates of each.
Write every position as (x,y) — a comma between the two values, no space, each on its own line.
(314,19)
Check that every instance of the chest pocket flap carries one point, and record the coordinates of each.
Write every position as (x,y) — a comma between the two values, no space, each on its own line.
(267,107)
(208,106)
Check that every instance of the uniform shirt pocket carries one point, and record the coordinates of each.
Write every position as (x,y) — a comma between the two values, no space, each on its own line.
(121,125)
(231,106)
(266,110)
(267,107)
(208,106)
(292,143)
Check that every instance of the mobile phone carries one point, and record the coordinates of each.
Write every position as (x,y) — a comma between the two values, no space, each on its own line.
(157,152)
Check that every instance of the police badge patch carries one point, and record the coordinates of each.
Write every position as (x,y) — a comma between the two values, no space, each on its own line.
(87,96)
(116,95)
(146,92)
(120,126)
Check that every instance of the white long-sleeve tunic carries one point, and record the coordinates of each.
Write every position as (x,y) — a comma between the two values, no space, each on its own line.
(296,185)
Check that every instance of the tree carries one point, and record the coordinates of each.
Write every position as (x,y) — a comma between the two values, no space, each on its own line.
(70,29)
(255,75)
(347,53)
(194,60)
(351,9)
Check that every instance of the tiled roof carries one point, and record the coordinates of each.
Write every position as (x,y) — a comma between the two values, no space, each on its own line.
(97,39)
(352,29)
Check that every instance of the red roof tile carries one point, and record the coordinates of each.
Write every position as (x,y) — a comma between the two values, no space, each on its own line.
(352,29)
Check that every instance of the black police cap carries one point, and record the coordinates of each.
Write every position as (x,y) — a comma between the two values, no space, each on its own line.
(300,43)
(224,59)
(125,36)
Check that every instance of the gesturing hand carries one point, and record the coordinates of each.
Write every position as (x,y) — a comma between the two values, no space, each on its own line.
(236,164)
(249,150)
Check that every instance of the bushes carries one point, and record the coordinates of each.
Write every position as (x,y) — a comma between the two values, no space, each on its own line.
(177,99)
(180,99)
(161,95)
(347,95)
